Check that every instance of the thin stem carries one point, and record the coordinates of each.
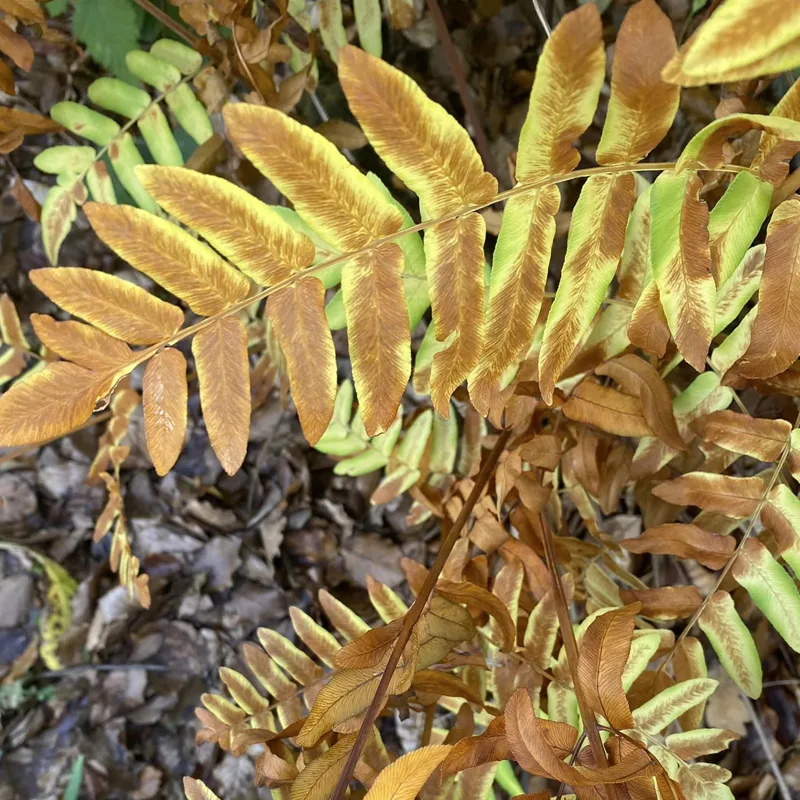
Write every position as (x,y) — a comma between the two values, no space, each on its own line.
(415,612)
(430,711)
(571,647)
(166,20)
(737,552)
(143,355)
(780,781)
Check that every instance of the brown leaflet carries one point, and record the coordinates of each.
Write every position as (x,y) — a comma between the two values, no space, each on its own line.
(520,720)
(297,315)
(377,333)
(594,247)
(775,340)
(454,257)
(82,344)
(532,494)
(477,598)
(223,372)
(774,152)
(667,603)
(684,541)
(369,649)
(443,684)
(119,308)
(473,751)
(603,654)
(515,302)
(636,376)
(63,395)
(544,451)
(642,105)
(536,572)
(734,497)
(541,745)
(682,263)
(164,398)
(648,328)
(607,409)
(760,438)
(614,476)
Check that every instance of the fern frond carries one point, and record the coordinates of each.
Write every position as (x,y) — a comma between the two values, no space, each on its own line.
(73,165)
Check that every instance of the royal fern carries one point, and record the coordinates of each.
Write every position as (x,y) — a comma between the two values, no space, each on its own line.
(167,68)
(583,416)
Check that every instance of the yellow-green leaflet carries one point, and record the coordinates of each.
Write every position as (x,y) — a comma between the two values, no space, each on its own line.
(668,705)
(596,237)
(772,590)
(681,260)
(732,642)
(735,221)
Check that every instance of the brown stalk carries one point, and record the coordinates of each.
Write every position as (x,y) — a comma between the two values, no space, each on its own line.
(571,647)
(166,20)
(471,110)
(415,612)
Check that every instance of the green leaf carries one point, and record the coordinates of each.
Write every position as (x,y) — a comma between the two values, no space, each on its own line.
(771,588)
(73,789)
(732,642)
(109,29)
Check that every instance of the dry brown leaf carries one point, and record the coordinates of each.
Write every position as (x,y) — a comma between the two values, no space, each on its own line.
(603,654)
(684,541)
(734,497)
(668,602)
(607,409)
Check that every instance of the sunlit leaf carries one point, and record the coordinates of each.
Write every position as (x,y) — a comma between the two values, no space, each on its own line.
(164,398)
(732,642)
(220,355)
(668,705)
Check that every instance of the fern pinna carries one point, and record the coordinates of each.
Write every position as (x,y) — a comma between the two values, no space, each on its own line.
(617,702)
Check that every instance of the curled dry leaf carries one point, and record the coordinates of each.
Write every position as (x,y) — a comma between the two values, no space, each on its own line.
(473,751)
(760,438)
(481,600)
(685,541)
(668,602)
(637,377)
(723,494)
(601,661)
(607,409)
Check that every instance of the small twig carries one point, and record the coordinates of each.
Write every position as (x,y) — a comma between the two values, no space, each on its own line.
(245,66)
(430,711)
(80,668)
(571,647)
(780,781)
(415,612)
(166,20)
(471,110)
(540,13)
